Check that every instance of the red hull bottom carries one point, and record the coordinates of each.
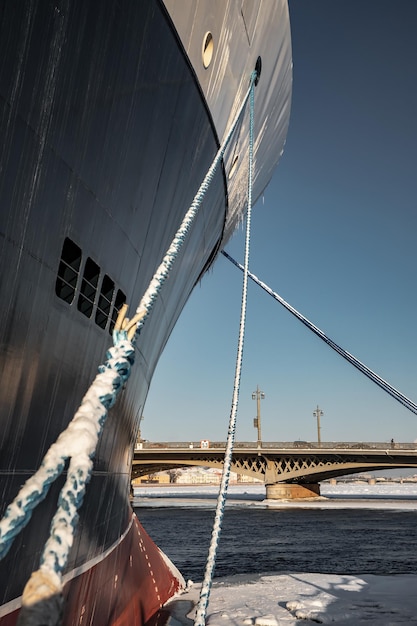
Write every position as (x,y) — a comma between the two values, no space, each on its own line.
(128,587)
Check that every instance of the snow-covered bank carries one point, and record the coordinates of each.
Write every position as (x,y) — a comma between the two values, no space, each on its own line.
(286,599)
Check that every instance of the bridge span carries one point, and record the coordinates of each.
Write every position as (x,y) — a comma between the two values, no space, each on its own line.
(288,470)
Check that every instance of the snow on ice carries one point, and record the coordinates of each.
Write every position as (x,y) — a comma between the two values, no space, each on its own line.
(294,599)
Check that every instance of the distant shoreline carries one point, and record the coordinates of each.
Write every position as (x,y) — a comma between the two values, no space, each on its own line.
(387,495)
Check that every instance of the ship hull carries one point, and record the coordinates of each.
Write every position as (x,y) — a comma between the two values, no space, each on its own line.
(106,135)
(125,585)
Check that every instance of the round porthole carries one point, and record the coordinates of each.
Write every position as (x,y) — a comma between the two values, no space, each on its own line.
(208,49)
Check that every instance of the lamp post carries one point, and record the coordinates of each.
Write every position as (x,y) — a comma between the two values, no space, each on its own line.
(139,439)
(258,396)
(318,413)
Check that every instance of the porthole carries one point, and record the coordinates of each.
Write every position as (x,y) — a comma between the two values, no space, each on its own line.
(104,301)
(100,303)
(120,299)
(69,267)
(258,69)
(88,287)
(208,49)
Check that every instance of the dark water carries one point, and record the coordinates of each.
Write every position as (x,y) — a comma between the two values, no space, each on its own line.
(258,540)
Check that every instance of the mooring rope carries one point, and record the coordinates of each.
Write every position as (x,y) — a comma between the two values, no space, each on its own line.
(79,441)
(383,384)
(201,612)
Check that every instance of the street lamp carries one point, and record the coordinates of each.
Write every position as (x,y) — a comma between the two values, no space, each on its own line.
(139,439)
(318,413)
(258,396)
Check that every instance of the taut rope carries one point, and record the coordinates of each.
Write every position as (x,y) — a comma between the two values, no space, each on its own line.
(394,393)
(200,618)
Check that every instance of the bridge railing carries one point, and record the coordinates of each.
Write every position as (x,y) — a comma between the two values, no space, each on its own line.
(284,445)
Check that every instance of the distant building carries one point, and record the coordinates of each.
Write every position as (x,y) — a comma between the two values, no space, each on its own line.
(192,476)
(161,478)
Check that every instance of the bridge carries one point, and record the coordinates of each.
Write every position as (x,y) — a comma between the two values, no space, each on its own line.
(288,469)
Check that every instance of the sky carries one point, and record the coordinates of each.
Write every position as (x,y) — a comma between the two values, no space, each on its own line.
(335,235)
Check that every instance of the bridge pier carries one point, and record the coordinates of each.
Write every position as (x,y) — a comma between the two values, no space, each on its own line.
(292,491)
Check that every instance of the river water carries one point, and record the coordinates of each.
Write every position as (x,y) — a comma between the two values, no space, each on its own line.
(353,531)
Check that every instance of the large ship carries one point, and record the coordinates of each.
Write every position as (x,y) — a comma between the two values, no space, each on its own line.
(111,112)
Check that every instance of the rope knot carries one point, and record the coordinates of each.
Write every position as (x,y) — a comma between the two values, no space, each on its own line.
(42,600)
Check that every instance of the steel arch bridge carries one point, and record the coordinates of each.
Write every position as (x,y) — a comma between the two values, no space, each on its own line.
(298,463)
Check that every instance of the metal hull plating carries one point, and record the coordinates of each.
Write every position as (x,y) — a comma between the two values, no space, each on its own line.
(126,585)
(106,135)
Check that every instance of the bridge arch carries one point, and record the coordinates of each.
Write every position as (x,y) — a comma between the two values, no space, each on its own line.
(275,465)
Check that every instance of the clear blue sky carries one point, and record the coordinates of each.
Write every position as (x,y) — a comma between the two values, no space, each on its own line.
(335,236)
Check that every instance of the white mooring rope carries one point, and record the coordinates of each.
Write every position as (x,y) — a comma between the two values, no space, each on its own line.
(201,613)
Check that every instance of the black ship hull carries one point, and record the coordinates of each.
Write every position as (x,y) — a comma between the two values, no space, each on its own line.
(106,136)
